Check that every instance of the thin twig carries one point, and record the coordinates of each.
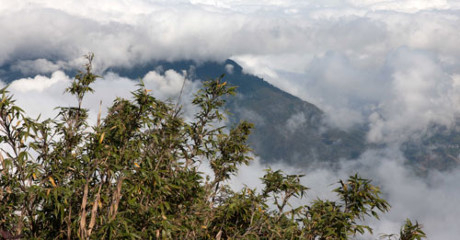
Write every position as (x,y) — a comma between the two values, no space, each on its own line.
(177,108)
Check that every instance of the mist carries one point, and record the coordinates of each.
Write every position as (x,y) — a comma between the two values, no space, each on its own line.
(432,201)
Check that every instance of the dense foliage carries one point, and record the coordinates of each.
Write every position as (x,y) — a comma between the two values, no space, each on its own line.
(134,175)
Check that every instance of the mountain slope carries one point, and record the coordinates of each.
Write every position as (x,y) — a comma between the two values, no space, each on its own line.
(286,128)
(438,149)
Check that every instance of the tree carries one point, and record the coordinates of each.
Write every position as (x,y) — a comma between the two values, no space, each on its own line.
(135,175)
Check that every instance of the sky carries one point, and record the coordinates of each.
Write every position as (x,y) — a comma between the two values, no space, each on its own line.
(392,64)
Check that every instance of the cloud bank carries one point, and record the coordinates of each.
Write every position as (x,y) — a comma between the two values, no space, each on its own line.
(41,94)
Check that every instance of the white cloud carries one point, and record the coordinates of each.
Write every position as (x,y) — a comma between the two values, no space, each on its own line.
(168,85)
(39,83)
(295,122)
(405,6)
(229,68)
(420,93)
(36,66)
(40,95)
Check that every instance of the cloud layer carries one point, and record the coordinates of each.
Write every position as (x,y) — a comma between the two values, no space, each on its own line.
(41,95)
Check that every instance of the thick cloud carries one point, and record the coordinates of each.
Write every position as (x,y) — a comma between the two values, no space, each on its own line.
(124,33)
(40,95)
(419,92)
